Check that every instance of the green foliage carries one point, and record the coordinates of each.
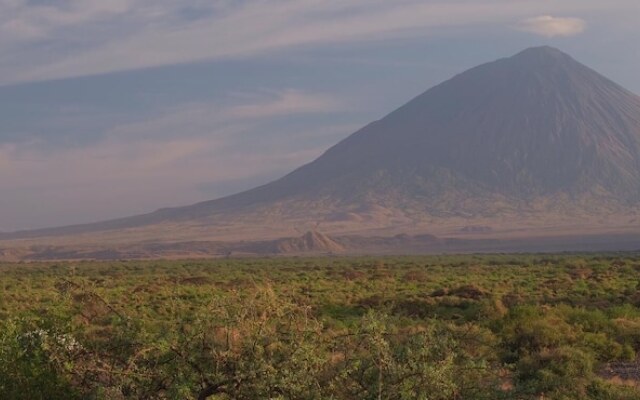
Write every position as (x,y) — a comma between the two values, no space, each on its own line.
(34,360)
(438,327)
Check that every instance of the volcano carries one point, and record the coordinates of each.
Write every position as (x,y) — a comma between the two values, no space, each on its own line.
(536,140)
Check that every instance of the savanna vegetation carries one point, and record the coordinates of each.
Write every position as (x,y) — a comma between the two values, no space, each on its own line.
(433,327)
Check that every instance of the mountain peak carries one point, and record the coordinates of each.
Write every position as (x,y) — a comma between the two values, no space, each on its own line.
(542,50)
(542,54)
(529,138)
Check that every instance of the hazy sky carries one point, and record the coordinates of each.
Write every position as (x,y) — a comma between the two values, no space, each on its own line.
(110,108)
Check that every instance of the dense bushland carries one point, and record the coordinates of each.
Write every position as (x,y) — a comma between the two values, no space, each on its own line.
(438,327)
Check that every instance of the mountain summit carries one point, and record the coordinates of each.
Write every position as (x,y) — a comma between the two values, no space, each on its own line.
(535,126)
(537,137)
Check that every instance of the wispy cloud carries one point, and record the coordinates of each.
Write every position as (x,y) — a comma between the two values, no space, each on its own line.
(240,113)
(24,20)
(84,150)
(84,37)
(288,102)
(163,160)
(550,26)
(118,177)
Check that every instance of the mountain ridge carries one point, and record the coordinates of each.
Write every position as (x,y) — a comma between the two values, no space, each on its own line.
(536,133)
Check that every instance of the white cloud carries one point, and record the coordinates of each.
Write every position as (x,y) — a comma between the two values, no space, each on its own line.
(232,117)
(21,20)
(160,161)
(119,177)
(91,37)
(550,26)
(285,103)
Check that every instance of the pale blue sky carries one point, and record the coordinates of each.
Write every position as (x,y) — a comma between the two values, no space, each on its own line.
(115,107)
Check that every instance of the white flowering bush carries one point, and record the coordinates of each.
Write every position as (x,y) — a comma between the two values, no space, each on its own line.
(35,361)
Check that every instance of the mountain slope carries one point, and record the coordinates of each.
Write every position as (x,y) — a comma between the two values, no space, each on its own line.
(535,124)
(536,133)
